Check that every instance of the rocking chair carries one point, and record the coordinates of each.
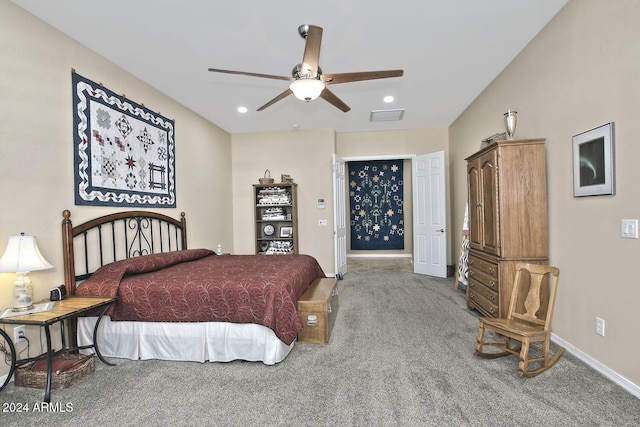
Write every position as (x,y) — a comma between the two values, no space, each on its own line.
(528,321)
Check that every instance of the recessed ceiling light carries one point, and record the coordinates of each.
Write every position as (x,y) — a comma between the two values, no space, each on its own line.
(242,110)
(388,99)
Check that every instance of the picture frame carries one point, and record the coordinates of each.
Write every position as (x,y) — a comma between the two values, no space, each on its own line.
(286,231)
(594,162)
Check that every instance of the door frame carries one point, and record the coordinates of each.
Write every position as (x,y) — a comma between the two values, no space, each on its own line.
(339,217)
(348,159)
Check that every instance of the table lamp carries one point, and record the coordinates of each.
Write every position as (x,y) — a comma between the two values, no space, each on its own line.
(22,256)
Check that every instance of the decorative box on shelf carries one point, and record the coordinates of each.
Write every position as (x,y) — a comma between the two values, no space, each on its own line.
(274,196)
(278,247)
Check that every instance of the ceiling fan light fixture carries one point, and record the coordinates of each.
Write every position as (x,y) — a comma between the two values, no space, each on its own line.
(307,81)
(307,89)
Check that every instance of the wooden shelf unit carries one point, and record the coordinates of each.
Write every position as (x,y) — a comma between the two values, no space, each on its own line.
(276,208)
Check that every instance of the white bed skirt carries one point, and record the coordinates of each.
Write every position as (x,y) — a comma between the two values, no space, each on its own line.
(195,342)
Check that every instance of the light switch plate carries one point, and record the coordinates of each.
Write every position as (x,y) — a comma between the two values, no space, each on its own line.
(600,326)
(629,228)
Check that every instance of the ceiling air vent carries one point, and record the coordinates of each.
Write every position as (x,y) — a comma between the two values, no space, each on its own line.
(386,115)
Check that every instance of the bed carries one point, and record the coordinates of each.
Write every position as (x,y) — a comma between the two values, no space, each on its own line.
(177,303)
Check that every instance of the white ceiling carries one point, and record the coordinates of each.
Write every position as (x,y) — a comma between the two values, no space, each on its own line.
(450,51)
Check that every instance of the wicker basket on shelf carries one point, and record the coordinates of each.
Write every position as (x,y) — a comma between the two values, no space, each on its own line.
(266,180)
(67,370)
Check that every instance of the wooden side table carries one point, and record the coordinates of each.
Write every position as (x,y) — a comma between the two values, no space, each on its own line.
(69,308)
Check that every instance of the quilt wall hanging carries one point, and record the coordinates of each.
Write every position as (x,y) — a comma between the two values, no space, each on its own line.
(124,153)
(376,201)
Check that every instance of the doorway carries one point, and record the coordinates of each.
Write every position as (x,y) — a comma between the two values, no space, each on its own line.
(438,234)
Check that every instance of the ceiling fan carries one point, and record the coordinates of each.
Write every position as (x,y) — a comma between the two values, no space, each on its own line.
(307,81)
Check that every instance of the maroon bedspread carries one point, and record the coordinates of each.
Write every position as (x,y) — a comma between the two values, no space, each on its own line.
(197,285)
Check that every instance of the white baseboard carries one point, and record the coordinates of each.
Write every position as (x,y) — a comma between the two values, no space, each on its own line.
(608,373)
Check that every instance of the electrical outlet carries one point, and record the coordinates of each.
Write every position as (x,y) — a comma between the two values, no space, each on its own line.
(19,332)
(600,326)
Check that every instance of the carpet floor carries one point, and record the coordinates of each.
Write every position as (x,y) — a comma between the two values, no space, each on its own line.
(401,354)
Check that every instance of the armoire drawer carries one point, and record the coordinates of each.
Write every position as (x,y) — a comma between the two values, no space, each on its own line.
(479,288)
(480,276)
(484,305)
(484,288)
(481,266)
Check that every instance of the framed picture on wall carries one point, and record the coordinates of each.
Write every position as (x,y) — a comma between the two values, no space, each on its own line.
(594,162)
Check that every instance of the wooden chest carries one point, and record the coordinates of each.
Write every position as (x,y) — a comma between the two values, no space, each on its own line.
(317,308)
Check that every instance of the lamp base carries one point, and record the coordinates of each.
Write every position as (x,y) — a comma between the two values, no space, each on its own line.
(22,293)
(15,310)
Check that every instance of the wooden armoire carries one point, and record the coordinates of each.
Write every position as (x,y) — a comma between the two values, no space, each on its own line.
(507,188)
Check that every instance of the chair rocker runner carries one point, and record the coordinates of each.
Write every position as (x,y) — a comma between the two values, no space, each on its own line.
(528,320)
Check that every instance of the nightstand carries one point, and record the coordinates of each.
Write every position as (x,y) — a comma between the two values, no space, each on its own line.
(69,308)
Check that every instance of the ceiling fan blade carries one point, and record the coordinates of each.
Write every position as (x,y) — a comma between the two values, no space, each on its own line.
(330,97)
(244,73)
(359,76)
(312,51)
(276,99)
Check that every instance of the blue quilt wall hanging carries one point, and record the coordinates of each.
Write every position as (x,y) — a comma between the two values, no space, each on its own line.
(376,201)
(124,153)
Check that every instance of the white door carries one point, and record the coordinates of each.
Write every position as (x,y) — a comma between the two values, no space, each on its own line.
(339,216)
(429,215)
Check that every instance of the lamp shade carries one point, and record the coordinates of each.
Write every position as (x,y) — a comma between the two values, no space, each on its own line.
(22,255)
(307,89)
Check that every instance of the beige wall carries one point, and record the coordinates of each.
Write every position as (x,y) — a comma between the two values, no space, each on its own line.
(581,71)
(307,157)
(36,145)
(391,143)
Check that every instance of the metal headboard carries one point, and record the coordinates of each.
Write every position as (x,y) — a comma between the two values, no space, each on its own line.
(109,238)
